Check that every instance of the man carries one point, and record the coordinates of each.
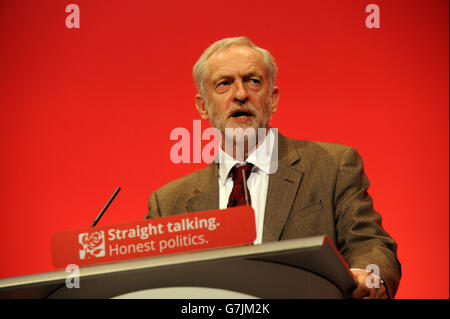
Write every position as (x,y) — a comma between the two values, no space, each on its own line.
(297,188)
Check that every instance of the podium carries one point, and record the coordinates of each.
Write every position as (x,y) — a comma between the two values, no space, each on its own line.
(299,268)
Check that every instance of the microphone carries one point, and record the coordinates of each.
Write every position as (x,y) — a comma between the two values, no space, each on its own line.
(106,207)
(232,203)
(93,224)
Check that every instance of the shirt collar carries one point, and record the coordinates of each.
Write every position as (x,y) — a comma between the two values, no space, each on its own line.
(261,158)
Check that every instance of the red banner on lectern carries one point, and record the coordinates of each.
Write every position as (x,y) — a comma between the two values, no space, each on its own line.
(157,236)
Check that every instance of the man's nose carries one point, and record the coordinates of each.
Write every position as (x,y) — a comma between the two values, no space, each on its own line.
(240,93)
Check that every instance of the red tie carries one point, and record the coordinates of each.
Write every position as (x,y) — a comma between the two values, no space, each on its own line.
(237,196)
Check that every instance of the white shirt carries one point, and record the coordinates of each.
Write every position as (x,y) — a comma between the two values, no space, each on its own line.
(264,161)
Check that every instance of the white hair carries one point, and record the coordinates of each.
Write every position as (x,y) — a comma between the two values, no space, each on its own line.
(200,68)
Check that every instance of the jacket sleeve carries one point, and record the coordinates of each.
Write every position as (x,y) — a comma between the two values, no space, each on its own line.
(153,208)
(361,238)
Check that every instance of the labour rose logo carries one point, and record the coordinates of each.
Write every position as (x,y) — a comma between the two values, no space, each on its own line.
(93,244)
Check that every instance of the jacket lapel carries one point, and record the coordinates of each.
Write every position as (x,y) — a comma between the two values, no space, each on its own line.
(282,190)
(281,193)
(206,193)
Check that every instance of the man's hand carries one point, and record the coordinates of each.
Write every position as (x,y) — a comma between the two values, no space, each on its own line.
(368,288)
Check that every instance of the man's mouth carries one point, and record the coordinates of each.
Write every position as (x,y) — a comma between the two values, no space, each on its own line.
(241,114)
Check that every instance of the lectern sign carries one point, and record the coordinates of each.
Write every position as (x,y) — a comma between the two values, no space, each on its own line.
(157,236)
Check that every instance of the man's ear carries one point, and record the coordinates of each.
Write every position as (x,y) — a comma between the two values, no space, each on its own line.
(275,98)
(200,103)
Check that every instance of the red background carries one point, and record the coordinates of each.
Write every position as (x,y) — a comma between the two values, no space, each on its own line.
(83,111)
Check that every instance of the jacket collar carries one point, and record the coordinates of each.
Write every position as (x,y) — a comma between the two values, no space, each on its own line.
(281,193)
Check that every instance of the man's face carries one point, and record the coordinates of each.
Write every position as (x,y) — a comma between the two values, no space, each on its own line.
(237,89)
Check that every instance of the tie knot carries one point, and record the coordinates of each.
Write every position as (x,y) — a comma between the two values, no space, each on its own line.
(237,172)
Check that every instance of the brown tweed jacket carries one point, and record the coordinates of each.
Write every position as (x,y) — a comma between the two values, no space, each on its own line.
(319,188)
